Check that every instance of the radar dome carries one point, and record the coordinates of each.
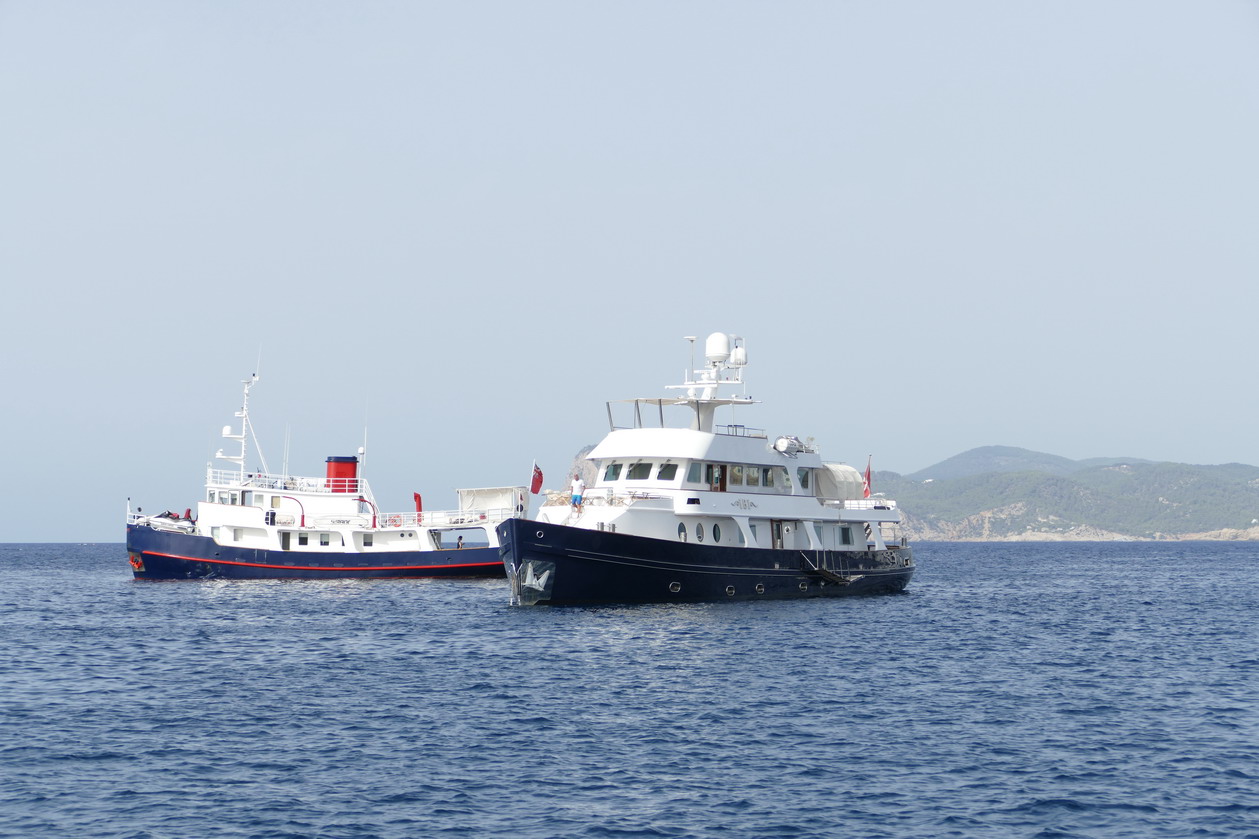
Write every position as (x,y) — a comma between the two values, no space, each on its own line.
(717,347)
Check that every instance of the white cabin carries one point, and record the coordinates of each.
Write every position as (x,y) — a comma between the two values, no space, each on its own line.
(730,484)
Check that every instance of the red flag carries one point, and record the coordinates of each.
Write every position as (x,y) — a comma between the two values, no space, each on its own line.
(536,484)
(866,482)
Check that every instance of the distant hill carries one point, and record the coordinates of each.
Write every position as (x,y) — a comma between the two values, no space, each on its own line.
(1005,493)
(1010,459)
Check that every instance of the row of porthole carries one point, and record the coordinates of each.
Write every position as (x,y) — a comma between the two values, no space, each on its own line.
(699,532)
(760,588)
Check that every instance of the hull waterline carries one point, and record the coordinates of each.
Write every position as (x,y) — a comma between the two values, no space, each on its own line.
(160,555)
(558,565)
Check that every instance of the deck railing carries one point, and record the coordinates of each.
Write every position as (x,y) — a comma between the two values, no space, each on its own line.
(445,518)
(287,483)
(739,431)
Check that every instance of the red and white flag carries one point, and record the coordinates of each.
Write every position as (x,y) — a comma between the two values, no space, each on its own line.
(536,484)
(866,481)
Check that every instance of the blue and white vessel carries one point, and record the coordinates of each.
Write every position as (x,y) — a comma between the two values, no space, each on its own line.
(261,525)
(707,511)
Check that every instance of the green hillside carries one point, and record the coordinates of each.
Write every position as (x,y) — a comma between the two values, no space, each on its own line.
(1005,493)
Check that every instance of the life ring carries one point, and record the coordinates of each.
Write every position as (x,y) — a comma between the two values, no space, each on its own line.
(395,521)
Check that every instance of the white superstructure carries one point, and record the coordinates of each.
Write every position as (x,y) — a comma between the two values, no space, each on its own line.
(726,484)
(335,513)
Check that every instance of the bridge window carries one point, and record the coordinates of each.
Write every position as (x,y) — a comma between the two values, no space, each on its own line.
(767,476)
(803,475)
(752,476)
(668,471)
(613,472)
(736,475)
(639,472)
(694,473)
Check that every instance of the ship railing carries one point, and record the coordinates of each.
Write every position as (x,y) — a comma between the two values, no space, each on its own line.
(605,497)
(860,503)
(739,431)
(446,518)
(286,483)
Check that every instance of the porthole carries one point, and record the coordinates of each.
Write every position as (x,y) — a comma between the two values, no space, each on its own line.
(730,591)
(539,534)
(716,533)
(804,586)
(699,532)
(760,588)
(682,532)
(675,587)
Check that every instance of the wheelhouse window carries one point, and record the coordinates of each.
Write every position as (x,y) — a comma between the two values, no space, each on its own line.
(802,474)
(752,476)
(638,472)
(736,475)
(325,539)
(667,472)
(767,476)
(613,472)
(694,473)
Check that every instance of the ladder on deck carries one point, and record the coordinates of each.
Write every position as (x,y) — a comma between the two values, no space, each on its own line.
(823,565)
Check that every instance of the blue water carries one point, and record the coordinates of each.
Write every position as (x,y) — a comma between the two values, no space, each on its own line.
(1063,690)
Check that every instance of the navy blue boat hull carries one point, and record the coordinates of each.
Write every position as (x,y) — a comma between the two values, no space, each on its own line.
(554,564)
(164,555)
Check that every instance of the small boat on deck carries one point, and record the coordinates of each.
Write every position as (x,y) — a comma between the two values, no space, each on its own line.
(264,525)
(706,512)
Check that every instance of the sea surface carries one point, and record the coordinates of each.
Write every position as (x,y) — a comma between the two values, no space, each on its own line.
(1015,690)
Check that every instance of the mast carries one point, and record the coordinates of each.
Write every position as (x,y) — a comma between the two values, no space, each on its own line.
(726,357)
(246,431)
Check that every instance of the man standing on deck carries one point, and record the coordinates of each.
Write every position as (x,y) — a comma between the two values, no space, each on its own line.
(579,489)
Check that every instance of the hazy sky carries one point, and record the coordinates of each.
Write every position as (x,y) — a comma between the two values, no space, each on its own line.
(465,226)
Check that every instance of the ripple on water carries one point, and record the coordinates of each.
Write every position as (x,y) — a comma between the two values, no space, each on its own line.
(1015,690)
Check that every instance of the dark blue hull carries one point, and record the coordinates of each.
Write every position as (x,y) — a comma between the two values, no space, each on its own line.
(553,564)
(162,555)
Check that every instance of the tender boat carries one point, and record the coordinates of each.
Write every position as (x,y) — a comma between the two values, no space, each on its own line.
(254,525)
(706,512)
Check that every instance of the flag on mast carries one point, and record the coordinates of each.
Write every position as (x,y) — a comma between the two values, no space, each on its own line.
(536,483)
(866,481)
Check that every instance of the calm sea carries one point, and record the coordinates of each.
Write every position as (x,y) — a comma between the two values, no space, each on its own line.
(1062,690)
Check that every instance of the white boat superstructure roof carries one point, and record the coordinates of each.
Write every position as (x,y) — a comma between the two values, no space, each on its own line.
(734,482)
(703,438)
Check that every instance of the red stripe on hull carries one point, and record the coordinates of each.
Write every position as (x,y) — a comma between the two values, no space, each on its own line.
(323,567)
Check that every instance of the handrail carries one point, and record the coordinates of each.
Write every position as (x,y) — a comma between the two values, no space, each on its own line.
(288,483)
(739,431)
(859,503)
(445,518)
(602,497)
